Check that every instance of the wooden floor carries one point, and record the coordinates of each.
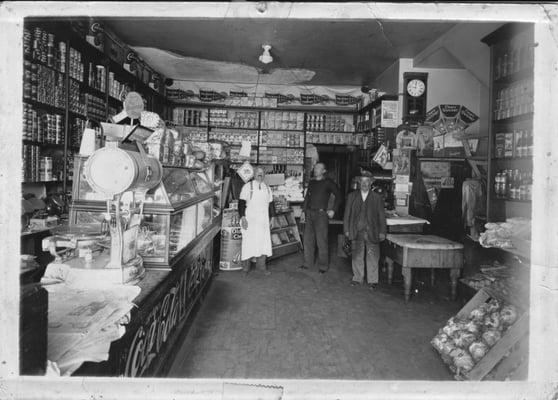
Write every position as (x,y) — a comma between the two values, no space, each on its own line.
(298,324)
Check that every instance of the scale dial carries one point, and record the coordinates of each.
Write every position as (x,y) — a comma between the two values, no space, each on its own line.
(416,87)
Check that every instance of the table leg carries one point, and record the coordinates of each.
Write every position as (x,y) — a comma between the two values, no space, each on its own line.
(432,271)
(454,275)
(407,280)
(389,263)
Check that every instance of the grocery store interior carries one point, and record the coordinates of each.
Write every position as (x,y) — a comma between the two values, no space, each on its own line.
(142,254)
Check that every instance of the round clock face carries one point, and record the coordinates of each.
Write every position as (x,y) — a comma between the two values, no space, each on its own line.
(416,87)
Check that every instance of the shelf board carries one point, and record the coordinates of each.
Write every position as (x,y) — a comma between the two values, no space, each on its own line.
(92,90)
(279,246)
(42,144)
(266,163)
(511,200)
(44,182)
(232,127)
(286,228)
(330,132)
(512,120)
(513,159)
(465,136)
(518,252)
(281,147)
(514,77)
(282,130)
(44,106)
(42,64)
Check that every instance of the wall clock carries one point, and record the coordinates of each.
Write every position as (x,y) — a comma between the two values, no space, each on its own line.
(414,97)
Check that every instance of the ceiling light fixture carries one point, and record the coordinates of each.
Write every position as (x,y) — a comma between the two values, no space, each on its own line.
(266,57)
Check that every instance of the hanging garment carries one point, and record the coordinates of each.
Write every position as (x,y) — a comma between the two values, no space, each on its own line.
(256,239)
(471,200)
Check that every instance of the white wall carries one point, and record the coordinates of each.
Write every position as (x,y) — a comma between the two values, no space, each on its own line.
(447,86)
(388,80)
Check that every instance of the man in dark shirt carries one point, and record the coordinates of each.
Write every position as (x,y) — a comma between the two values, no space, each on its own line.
(316,214)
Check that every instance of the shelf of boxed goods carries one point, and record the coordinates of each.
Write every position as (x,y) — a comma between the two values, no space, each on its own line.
(511,120)
(44,106)
(526,73)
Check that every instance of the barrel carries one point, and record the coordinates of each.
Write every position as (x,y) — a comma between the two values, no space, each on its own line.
(231,249)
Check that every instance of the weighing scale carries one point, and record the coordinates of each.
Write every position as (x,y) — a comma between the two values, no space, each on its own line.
(123,173)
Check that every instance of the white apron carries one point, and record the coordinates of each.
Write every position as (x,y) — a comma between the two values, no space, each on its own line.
(256,240)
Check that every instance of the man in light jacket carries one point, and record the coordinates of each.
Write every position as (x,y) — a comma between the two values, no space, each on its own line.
(364,224)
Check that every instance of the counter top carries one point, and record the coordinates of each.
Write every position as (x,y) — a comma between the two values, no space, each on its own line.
(404,220)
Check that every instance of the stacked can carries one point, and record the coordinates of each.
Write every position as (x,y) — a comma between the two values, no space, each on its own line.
(44,46)
(62,57)
(70,165)
(76,65)
(27,42)
(51,56)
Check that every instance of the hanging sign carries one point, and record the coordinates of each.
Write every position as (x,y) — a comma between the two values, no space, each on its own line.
(345,100)
(238,94)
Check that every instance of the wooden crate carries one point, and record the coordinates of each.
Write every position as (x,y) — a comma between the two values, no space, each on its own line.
(515,333)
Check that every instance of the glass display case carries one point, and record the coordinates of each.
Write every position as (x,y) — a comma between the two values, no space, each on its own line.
(175,212)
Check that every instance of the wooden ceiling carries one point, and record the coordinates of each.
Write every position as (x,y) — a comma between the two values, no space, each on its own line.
(340,52)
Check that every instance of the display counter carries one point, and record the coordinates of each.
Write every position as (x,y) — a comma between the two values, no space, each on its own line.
(159,315)
(136,334)
(175,212)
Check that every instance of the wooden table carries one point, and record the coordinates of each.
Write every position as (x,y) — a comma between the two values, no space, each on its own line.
(423,251)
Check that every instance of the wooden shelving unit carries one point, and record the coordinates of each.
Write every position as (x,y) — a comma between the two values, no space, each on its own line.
(71,40)
(512,42)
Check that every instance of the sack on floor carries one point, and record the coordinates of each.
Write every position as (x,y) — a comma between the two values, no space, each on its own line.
(343,246)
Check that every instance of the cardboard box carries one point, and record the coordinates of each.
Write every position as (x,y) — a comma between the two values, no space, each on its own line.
(499,145)
(508,145)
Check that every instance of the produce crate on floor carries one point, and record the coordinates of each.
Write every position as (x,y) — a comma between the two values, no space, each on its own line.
(487,336)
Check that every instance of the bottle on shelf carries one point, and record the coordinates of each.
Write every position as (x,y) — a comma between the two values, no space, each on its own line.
(497,68)
(519,143)
(504,67)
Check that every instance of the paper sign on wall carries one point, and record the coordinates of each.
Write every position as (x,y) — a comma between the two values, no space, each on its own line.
(390,114)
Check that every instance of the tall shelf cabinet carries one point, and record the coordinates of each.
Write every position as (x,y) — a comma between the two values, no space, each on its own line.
(510,165)
(67,84)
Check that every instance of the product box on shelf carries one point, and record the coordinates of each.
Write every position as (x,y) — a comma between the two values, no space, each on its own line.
(499,145)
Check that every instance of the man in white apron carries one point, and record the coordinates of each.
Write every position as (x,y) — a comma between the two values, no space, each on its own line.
(253,207)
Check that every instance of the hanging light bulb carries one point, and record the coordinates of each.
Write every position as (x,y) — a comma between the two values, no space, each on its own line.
(266,57)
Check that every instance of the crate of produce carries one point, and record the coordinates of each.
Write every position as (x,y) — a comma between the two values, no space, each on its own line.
(483,333)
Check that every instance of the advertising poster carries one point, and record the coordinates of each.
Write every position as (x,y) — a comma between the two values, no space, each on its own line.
(434,172)
(390,114)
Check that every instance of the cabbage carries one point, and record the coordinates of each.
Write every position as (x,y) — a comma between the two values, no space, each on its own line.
(463,362)
(478,313)
(478,350)
(490,337)
(492,305)
(473,327)
(463,339)
(492,321)
(508,315)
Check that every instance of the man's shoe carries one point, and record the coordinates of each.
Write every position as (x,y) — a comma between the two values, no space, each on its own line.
(303,267)
(322,271)
(372,286)
(355,283)
(267,272)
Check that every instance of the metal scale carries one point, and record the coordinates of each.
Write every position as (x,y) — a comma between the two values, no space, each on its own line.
(123,173)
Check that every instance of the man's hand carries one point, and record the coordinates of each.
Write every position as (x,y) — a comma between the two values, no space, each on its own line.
(302,217)
(382,237)
(330,214)
(347,234)
(244,223)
